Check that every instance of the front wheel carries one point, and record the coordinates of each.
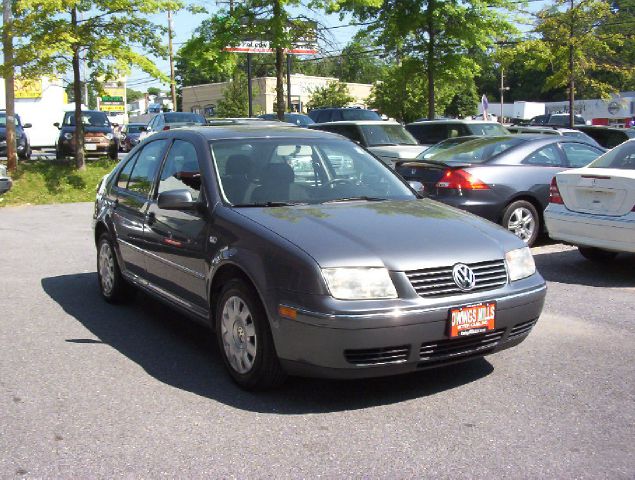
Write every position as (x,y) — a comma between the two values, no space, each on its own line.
(112,285)
(245,340)
(597,254)
(522,219)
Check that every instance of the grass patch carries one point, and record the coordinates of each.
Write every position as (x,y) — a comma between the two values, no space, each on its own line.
(49,182)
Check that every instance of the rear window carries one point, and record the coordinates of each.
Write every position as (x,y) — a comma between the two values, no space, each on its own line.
(134,128)
(355,114)
(478,150)
(184,117)
(622,157)
(487,129)
(428,133)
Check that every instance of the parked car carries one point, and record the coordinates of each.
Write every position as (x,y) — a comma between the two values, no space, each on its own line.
(99,138)
(608,137)
(294,118)
(130,135)
(339,114)
(556,120)
(504,179)
(389,141)
(567,132)
(594,207)
(23,146)
(168,120)
(430,132)
(308,256)
(5,181)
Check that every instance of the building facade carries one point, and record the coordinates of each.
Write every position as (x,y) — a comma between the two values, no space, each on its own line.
(203,99)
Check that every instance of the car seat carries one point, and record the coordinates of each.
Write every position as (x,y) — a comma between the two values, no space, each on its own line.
(236,178)
(276,180)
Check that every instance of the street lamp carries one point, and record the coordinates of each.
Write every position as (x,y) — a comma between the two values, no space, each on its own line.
(502,90)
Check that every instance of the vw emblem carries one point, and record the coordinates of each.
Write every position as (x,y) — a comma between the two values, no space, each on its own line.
(463,277)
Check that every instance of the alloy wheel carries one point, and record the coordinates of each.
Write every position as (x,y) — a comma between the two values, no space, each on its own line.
(522,223)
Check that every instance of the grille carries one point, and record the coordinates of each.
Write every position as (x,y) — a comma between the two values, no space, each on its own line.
(521,329)
(443,350)
(435,282)
(378,356)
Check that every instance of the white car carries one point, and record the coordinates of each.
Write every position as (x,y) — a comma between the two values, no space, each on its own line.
(594,207)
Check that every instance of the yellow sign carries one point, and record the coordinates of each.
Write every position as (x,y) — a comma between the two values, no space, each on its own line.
(28,88)
(114,92)
(112,108)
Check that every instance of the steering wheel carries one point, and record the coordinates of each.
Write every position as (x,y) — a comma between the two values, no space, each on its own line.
(339,181)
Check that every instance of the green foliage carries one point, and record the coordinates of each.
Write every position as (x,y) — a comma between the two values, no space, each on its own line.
(334,94)
(133,95)
(594,50)
(440,34)
(235,101)
(154,91)
(464,103)
(48,182)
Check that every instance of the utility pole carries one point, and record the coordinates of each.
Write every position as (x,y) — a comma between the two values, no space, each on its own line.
(502,90)
(9,85)
(172,85)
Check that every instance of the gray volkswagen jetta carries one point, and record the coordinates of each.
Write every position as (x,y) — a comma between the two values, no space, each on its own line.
(308,256)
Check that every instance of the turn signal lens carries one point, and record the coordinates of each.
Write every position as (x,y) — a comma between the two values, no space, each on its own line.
(554,193)
(167,127)
(460,180)
(287,312)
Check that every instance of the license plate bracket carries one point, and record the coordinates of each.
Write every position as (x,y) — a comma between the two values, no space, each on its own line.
(471,319)
(90,146)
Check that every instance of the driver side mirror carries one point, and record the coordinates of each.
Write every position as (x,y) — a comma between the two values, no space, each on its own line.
(57,124)
(27,125)
(176,200)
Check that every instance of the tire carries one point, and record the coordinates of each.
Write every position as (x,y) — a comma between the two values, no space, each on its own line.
(26,155)
(597,254)
(521,218)
(244,338)
(114,288)
(113,153)
(58,154)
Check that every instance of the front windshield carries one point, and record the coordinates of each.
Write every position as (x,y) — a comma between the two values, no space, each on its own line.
(621,157)
(278,171)
(476,150)
(3,120)
(377,135)
(90,119)
(442,146)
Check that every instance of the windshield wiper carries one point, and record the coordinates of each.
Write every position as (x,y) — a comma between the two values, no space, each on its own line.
(269,204)
(352,199)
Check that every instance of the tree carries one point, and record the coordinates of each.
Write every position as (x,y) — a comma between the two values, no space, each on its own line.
(106,33)
(572,44)
(154,91)
(133,95)
(464,102)
(235,102)
(439,33)
(334,94)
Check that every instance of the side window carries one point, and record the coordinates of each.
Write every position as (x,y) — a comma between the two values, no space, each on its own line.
(145,168)
(124,174)
(349,131)
(181,170)
(433,133)
(548,156)
(579,155)
(614,139)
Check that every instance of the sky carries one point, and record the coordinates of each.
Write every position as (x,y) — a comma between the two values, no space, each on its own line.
(184,24)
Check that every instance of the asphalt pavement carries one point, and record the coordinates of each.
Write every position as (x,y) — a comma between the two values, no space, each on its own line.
(90,390)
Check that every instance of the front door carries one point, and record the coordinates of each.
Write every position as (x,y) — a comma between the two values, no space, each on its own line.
(177,239)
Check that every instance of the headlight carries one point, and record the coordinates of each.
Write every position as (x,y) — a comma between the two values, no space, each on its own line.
(520,263)
(359,283)
(68,135)
(109,136)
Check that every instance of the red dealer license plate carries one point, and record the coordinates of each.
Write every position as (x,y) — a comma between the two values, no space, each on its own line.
(472,319)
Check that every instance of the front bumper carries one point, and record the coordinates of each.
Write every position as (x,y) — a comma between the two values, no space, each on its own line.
(389,342)
(600,231)
(67,148)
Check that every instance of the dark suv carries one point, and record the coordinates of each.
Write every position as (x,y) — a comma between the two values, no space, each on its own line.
(340,114)
(431,132)
(556,120)
(99,137)
(308,256)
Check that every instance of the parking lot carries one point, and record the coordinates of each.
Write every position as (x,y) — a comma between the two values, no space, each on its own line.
(93,390)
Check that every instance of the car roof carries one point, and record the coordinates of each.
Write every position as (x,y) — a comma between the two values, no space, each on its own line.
(257,130)
(358,122)
(453,120)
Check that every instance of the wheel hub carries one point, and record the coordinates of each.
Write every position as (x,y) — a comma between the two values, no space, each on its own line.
(238,334)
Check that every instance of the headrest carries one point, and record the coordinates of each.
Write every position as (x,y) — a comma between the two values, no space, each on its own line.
(277,173)
(238,165)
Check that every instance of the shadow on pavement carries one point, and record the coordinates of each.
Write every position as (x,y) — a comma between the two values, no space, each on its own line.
(570,267)
(180,353)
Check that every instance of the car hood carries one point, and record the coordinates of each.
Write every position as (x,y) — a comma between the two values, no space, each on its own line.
(398,152)
(401,235)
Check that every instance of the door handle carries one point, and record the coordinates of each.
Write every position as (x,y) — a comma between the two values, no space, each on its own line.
(150,218)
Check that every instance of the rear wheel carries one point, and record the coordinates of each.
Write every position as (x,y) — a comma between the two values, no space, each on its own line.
(244,338)
(114,288)
(597,254)
(522,219)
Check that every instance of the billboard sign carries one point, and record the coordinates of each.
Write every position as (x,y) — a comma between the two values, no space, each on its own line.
(25,88)
(303,32)
(113,98)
